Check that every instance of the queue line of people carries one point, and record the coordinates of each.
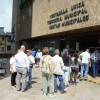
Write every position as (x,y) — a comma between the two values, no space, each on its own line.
(51,68)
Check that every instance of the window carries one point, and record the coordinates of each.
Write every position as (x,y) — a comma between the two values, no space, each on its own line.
(9,39)
(3,39)
(8,48)
(2,49)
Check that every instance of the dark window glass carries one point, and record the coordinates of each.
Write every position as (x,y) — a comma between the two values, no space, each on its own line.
(2,48)
(3,39)
(8,48)
(9,39)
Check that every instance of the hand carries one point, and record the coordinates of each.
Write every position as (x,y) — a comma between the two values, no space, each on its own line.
(41,73)
(90,65)
(50,73)
(12,71)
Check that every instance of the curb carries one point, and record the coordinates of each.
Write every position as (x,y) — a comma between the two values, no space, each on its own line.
(88,80)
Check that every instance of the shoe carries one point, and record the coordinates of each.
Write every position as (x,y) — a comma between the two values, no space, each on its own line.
(71,83)
(75,84)
(29,84)
(63,92)
(44,94)
(24,90)
(52,95)
(13,87)
(80,79)
(55,91)
(19,90)
(65,89)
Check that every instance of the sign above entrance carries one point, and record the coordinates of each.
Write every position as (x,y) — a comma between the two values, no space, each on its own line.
(62,18)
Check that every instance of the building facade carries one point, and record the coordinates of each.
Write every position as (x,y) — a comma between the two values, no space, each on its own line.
(56,24)
(5,42)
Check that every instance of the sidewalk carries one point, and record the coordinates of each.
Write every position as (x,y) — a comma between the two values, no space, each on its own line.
(83,90)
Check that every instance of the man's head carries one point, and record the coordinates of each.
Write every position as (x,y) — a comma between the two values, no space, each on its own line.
(13,53)
(57,52)
(38,50)
(22,48)
(32,49)
(95,49)
(29,52)
(87,50)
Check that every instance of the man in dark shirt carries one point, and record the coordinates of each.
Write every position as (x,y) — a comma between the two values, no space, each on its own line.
(95,62)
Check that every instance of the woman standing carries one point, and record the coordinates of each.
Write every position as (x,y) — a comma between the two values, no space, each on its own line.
(46,69)
(75,61)
(66,68)
(13,70)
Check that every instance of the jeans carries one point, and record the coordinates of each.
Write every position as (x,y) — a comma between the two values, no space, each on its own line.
(60,77)
(30,74)
(95,65)
(88,68)
(66,73)
(13,78)
(74,72)
(84,67)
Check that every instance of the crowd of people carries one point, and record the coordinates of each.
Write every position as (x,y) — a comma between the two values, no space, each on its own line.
(51,68)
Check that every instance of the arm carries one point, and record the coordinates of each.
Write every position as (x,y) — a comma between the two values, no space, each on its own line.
(11,65)
(90,62)
(51,68)
(32,61)
(11,68)
(27,62)
(62,63)
(40,65)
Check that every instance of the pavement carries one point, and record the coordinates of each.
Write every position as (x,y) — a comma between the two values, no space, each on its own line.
(83,91)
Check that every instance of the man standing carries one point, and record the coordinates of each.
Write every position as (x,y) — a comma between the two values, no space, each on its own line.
(85,61)
(33,52)
(38,56)
(58,71)
(31,62)
(22,69)
(95,62)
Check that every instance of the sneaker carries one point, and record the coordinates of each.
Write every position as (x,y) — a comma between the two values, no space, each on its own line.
(63,92)
(29,84)
(80,79)
(65,89)
(44,94)
(13,87)
(52,95)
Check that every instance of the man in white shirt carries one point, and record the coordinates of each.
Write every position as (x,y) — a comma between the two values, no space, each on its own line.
(58,71)
(22,69)
(31,62)
(38,56)
(85,56)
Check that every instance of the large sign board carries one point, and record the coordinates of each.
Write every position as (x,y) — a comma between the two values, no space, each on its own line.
(64,18)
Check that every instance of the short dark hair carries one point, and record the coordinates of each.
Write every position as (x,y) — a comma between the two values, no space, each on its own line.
(13,53)
(46,51)
(32,48)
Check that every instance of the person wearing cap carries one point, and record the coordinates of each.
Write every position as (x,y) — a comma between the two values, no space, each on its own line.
(31,62)
(22,69)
